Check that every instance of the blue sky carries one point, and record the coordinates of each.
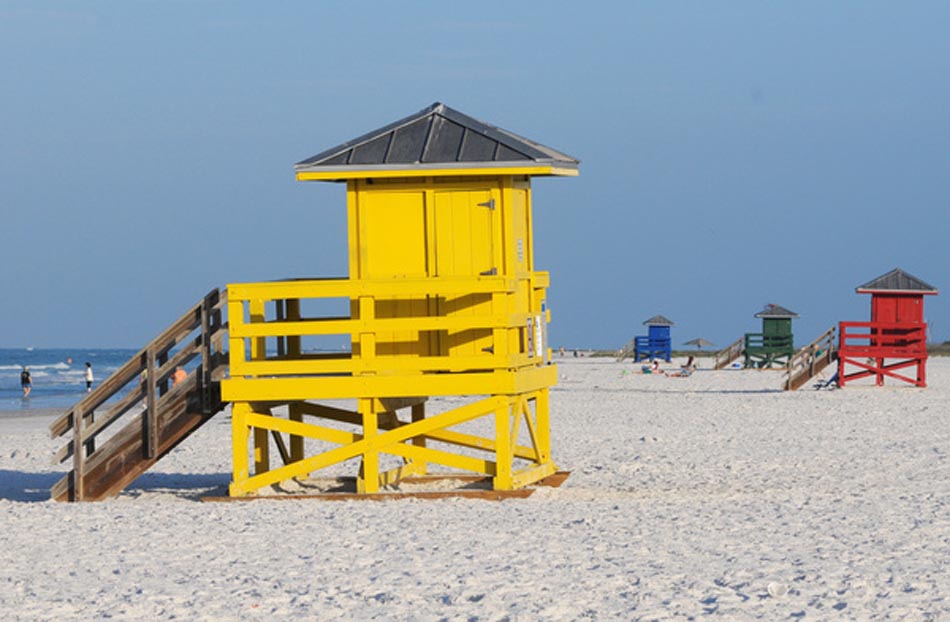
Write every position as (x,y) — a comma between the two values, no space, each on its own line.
(733,154)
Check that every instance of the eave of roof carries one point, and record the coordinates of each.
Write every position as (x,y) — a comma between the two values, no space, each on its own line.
(436,170)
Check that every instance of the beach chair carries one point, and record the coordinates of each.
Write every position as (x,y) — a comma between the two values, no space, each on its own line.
(831,383)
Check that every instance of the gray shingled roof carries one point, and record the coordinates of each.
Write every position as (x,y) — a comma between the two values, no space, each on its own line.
(659,320)
(776,311)
(897,281)
(436,137)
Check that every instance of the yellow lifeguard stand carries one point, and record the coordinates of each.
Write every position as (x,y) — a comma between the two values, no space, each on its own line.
(443,299)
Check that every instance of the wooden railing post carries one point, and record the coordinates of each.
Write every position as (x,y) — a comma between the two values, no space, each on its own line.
(151,413)
(78,491)
(217,336)
(204,375)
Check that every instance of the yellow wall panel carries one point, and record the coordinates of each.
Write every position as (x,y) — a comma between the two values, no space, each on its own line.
(391,234)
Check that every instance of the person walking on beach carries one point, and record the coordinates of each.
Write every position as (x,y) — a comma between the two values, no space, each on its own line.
(26,381)
(88,377)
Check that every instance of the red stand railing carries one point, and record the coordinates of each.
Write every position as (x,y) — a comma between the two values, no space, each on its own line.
(867,346)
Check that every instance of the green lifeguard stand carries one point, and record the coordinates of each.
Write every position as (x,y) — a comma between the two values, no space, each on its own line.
(775,344)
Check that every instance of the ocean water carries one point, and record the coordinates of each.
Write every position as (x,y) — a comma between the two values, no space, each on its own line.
(57,382)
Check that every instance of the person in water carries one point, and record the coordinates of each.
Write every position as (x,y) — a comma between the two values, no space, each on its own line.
(89,377)
(26,381)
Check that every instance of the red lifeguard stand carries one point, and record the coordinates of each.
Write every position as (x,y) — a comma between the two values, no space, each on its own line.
(896,332)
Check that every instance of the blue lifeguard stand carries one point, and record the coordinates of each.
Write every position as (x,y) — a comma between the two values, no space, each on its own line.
(657,343)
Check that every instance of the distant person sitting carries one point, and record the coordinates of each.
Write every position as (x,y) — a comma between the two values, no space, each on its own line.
(26,381)
(685,370)
(653,368)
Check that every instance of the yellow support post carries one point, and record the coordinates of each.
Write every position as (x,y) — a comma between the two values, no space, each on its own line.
(239,440)
(368,481)
(503,454)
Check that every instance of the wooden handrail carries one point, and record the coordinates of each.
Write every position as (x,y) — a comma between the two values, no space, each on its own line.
(154,363)
(627,350)
(810,359)
(133,367)
(729,353)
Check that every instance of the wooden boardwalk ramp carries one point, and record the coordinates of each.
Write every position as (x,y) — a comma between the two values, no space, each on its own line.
(123,427)
(812,359)
(730,353)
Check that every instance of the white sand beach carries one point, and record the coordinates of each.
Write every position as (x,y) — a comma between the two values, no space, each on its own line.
(716,496)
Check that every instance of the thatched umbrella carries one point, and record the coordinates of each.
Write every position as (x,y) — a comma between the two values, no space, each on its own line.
(699,342)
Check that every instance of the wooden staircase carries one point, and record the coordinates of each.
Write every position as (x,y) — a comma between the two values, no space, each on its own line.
(812,359)
(114,446)
(626,351)
(730,353)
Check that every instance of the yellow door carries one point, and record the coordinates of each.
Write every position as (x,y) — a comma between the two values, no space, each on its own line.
(465,229)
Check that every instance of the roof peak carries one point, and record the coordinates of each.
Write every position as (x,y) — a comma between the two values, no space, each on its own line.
(437,137)
(659,320)
(897,281)
(776,311)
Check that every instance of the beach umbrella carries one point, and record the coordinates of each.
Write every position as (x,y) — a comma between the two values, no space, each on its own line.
(699,342)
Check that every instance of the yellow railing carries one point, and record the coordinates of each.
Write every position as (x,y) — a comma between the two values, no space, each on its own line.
(267,324)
